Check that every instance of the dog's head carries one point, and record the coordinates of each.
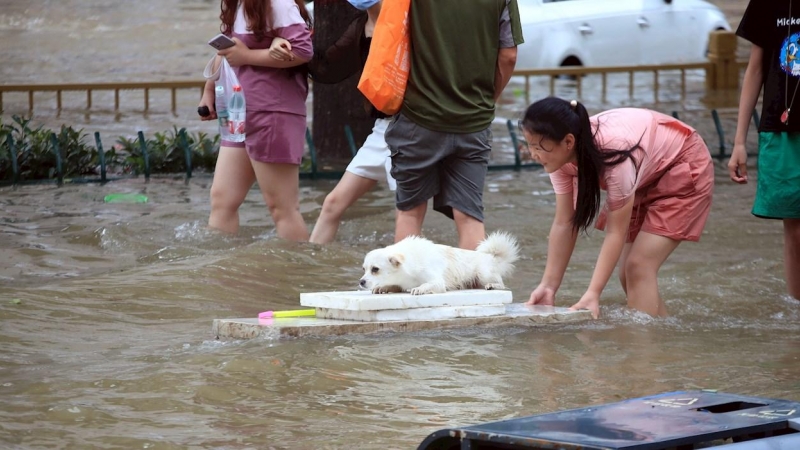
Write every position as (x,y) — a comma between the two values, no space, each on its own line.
(384,271)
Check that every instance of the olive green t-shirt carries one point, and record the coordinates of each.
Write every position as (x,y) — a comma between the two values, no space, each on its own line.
(454,47)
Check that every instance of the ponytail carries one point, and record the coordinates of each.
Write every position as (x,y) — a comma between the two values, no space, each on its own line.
(589,162)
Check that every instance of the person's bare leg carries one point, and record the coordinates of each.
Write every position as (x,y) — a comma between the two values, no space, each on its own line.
(791,255)
(349,189)
(409,223)
(471,231)
(280,187)
(647,254)
(626,250)
(233,178)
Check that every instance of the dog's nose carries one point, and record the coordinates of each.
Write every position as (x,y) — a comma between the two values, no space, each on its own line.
(362,283)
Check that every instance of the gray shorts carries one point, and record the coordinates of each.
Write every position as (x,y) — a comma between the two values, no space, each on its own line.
(450,167)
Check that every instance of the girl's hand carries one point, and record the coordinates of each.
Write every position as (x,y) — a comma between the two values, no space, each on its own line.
(590,301)
(236,55)
(208,101)
(281,50)
(542,295)
(737,165)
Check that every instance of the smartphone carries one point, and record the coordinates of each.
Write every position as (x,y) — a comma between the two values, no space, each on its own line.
(221,41)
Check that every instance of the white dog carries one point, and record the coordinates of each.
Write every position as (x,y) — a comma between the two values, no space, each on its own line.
(419,266)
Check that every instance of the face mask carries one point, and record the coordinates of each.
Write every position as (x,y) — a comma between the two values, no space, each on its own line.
(363,4)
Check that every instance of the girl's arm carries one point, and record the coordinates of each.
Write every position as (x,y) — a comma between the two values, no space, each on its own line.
(208,97)
(559,250)
(613,243)
(751,89)
(241,55)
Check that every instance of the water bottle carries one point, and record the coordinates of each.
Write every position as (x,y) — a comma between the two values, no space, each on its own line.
(222,109)
(236,109)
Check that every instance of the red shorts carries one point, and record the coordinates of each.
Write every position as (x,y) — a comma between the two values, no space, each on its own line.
(273,137)
(677,204)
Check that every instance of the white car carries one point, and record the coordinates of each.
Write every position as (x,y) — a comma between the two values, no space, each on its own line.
(615,32)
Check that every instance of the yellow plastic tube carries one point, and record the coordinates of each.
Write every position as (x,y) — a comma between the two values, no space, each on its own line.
(289,313)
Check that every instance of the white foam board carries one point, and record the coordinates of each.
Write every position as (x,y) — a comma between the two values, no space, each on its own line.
(436,313)
(367,301)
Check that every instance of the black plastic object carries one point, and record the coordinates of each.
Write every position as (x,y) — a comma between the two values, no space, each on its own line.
(203,111)
(675,420)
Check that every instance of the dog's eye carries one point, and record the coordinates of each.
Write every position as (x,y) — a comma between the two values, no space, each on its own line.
(374,270)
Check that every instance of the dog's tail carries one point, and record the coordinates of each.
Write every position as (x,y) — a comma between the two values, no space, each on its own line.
(503,246)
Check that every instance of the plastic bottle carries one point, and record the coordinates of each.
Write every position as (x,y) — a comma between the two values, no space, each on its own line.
(222,109)
(236,109)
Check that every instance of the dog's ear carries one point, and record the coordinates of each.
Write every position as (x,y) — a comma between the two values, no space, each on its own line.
(396,260)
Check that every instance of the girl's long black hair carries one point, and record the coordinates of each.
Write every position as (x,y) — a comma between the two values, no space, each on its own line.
(553,118)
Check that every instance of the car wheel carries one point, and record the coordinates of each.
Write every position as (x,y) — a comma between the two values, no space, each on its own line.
(570,61)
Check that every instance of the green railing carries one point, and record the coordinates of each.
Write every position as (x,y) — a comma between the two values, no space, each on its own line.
(312,170)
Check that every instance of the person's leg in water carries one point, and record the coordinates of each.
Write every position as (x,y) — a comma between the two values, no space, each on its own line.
(463,177)
(409,223)
(648,252)
(791,255)
(471,231)
(370,164)
(679,217)
(279,185)
(623,259)
(349,189)
(233,178)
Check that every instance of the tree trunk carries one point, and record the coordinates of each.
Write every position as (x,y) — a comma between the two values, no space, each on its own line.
(336,105)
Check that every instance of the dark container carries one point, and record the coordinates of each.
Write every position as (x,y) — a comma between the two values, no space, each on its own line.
(672,421)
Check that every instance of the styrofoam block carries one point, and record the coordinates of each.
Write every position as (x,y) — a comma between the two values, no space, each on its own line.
(367,301)
(436,313)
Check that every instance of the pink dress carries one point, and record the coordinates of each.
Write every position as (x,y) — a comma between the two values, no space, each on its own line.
(276,98)
(673,184)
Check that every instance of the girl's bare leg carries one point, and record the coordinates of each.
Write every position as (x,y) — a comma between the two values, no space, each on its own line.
(623,259)
(280,187)
(648,252)
(233,178)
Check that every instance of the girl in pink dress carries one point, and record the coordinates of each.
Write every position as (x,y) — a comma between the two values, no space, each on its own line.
(276,93)
(658,177)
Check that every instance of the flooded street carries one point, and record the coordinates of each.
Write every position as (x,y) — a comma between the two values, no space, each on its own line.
(106,309)
(106,313)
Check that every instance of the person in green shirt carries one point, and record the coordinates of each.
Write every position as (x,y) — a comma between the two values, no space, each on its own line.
(462,57)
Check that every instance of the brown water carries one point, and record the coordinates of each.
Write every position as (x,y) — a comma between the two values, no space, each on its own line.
(106,309)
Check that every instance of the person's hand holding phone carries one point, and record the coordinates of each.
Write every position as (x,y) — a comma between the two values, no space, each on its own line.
(220,42)
(236,55)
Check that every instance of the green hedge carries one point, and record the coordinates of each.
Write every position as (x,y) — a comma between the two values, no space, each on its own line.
(35,150)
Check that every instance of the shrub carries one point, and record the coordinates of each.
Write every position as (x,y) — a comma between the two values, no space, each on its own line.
(36,157)
(166,154)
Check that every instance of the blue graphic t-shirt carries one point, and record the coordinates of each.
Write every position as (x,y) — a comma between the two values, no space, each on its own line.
(773,27)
